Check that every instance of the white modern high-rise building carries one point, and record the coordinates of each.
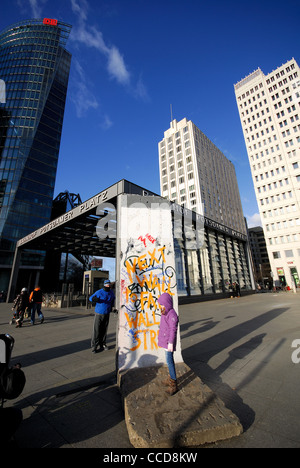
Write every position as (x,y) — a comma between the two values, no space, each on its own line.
(269,108)
(196,174)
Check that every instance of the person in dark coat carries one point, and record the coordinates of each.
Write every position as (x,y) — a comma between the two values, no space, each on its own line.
(36,300)
(105,299)
(20,305)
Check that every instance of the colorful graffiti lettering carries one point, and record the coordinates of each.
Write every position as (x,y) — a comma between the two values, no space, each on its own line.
(147,236)
(145,277)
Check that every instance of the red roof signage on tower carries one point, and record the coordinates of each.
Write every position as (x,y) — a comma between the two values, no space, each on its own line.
(49,21)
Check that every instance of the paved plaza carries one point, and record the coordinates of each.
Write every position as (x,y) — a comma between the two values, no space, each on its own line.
(241,348)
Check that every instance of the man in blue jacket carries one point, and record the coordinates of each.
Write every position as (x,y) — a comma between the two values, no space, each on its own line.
(105,299)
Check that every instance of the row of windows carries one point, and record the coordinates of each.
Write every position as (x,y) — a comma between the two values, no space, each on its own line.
(26,51)
(264,142)
(251,91)
(285,133)
(259,124)
(267,151)
(279,211)
(269,80)
(283,82)
(25,85)
(281,73)
(287,253)
(29,40)
(272,172)
(283,91)
(278,197)
(10,67)
(291,142)
(171,152)
(286,224)
(262,164)
(267,130)
(27,58)
(260,104)
(273,185)
(22,78)
(283,239)
(289,110)
(295,165)
(286,100)
(257,116)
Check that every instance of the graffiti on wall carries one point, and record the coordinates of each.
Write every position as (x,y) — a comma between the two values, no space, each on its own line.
(145,277)
(147,270)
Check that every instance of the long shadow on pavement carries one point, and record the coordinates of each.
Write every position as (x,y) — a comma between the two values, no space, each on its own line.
(73,414)
(198,356)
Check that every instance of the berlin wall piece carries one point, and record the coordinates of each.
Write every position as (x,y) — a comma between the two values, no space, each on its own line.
(145,270)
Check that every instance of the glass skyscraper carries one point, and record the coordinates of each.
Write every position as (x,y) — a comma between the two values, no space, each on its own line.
(34,73)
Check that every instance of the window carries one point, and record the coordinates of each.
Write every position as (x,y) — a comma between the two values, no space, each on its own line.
(276,255)
(288,253)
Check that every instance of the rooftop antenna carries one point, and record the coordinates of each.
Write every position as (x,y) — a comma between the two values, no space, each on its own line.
(171,112)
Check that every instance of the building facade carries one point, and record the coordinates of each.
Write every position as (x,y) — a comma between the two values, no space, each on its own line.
(34,72)
(270,116)
(261,263)
(196,174)
(209,256)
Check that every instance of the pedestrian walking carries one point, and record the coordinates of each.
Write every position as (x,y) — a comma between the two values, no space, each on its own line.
(36,300)
(167,338)
(105,299)
(21,303)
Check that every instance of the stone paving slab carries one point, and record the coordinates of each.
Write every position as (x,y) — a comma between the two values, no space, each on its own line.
(241,349)
(192,417)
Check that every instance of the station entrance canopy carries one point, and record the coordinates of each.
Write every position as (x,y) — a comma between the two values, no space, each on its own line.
(90,229)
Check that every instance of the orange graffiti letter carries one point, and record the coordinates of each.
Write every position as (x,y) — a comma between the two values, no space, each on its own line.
(153,339)
(130,268)
(138,340)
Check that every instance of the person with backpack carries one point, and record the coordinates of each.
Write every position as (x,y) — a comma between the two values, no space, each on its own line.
(20,305)
(36,300)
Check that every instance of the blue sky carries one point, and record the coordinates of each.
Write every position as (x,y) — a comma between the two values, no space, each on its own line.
(132,59)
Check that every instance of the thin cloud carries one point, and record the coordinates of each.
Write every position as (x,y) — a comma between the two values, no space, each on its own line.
(80,10)
(36,7)
(107,123)
(116,66)
(141,91)
(254,220)
(90,36)
(81,95)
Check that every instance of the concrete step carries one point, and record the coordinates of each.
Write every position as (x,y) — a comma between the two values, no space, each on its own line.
(191,417)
